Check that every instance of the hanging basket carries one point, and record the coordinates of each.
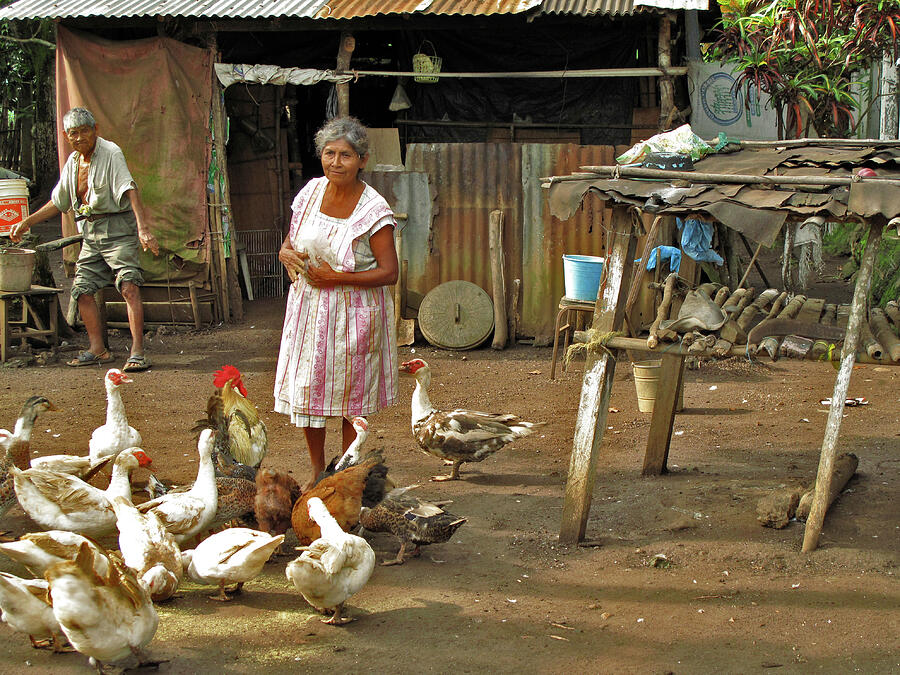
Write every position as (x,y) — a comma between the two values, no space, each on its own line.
(426,64)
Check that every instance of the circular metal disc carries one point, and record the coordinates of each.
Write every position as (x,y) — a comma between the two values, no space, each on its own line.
(456,315)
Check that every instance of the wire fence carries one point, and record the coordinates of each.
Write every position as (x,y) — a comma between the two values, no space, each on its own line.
(266,271)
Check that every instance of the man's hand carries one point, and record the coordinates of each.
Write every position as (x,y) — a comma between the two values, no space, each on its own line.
(148,242)
(18,230)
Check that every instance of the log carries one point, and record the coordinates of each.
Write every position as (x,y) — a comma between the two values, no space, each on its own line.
(721,296)
(514,309)
(663,310)
(844,468)
(842,383)
(778,507)
(873,348)
(498,279)
(892,309)
(755,308)
(57,244)
(883,333)
(771,343)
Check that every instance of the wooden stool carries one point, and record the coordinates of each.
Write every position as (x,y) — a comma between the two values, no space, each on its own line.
(566,308)
(18,329)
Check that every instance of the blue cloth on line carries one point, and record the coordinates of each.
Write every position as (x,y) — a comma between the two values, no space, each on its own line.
(664,253)
(696,240)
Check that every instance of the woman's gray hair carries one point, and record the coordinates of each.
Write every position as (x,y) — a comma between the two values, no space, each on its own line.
(78,117)
(349,129)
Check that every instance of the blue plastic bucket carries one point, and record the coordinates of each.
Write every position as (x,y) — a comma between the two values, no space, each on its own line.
(582,276)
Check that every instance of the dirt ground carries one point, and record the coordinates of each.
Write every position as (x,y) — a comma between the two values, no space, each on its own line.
(503,595)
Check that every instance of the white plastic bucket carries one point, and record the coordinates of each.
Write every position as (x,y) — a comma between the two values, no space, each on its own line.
(16,269)
(582,276)
(13,203)
(646,382)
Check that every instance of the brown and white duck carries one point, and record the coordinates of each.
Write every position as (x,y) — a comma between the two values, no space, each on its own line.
(16,448)
(458,435)
(25,607)
(37,551)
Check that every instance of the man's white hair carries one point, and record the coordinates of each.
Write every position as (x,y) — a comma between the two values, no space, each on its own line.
(78,117)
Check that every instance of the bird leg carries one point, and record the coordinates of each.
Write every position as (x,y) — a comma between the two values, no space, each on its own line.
(337,619)
(416,552)
(454,473)
(59,647)
(221,596)
(237,590)
(399,560)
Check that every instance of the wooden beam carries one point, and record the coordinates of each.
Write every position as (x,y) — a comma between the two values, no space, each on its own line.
(498,279)
(842,383)
(348,44)
(660,437)
(597,383)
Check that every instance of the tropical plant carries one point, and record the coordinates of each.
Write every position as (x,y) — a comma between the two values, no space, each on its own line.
(804,54)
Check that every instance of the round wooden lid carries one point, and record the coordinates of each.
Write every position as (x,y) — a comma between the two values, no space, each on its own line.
(456,315)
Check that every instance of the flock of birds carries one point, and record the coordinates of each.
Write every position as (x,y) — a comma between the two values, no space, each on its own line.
(220,530)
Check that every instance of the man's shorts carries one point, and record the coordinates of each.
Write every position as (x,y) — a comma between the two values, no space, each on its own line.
(103,263)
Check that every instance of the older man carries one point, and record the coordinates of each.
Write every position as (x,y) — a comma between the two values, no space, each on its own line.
(96,183)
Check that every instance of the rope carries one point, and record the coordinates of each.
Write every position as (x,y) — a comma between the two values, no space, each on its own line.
(596,344)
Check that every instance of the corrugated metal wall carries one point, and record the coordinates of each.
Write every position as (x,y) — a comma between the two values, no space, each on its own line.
(448,192)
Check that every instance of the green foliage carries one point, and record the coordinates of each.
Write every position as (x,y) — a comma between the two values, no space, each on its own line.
(804,54)
(849,239)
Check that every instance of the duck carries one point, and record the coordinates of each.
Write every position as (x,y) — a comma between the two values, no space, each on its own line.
(333,568)
(233,556)
(458,435)
(109,618)
(116,434)
(148,549)
(60,501)
(190,513)
(351,455)
(235,497)
(76,465)
(38,550)
(16,448)
(414,521)
(25,607)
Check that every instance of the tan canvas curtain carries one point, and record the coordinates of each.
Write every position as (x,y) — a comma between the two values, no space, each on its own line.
(152,98)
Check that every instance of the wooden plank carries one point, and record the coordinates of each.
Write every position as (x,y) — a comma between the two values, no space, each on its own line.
(811,310)
(596,386)
(842,383)
(660,437)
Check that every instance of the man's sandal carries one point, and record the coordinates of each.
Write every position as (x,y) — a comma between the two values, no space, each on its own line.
(87,358)
(136,363)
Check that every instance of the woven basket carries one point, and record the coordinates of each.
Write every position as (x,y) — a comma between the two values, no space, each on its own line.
(426,64)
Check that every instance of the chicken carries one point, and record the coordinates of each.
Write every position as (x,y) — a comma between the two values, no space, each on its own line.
(458,435)
(343,493)
(276,493)
(16,448)
(241,433)
(109,618)
(413,521)
(333,568)
(148,549)
(233,556)
(38,550)
(188,514)
(61,501)
(25,607)
(116,435)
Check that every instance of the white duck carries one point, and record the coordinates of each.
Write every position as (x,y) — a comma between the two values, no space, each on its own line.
(148,549)
(59,501)
(25,607)
(108,618)
(458,435)
(187,514)
(233,556)
(351,455)
(333,568)
(116,435)
(73,464)
(38,550)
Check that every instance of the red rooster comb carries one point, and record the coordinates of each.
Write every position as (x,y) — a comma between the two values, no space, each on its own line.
(231,374)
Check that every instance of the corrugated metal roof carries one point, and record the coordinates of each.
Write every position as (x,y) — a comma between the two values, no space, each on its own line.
(305,9)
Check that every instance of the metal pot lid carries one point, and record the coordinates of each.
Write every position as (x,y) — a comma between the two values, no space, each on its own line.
(456,315)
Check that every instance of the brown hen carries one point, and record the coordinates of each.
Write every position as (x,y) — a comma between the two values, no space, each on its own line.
(276,493)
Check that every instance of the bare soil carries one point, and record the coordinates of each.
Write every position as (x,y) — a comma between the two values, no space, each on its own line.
(503,595)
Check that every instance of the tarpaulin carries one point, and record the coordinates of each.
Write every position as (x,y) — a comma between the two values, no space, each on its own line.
(231,73)
(152,98)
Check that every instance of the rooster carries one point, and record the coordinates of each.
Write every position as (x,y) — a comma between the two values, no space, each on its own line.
(241,433)
(458,435)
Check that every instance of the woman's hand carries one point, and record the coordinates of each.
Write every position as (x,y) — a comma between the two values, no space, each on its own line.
(321,274)
(294,261)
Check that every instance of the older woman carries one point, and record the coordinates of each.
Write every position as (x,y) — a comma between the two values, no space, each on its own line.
(338,347)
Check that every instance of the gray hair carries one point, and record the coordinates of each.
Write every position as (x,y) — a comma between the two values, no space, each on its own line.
(78,117)
(349,129)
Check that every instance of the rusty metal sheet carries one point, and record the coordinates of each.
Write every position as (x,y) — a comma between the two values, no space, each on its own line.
(354,9)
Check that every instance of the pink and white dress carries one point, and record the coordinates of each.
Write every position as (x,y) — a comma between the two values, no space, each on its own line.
(338,352)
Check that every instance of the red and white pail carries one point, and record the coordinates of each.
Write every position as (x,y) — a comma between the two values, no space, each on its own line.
(13,203)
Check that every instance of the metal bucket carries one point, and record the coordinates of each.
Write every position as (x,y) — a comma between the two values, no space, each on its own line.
(16,269)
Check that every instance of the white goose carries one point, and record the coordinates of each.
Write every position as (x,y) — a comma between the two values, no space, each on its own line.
(187,514)
(148,549)
(233,556)
(25,607)
(116,435)
(38,550)
(108,618)
(59,501)
(333,568)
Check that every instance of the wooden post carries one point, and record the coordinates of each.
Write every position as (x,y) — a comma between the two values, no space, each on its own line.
(348,44)
(666,88)
(498,279)
(597,383)
(841,384)
(660,437)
